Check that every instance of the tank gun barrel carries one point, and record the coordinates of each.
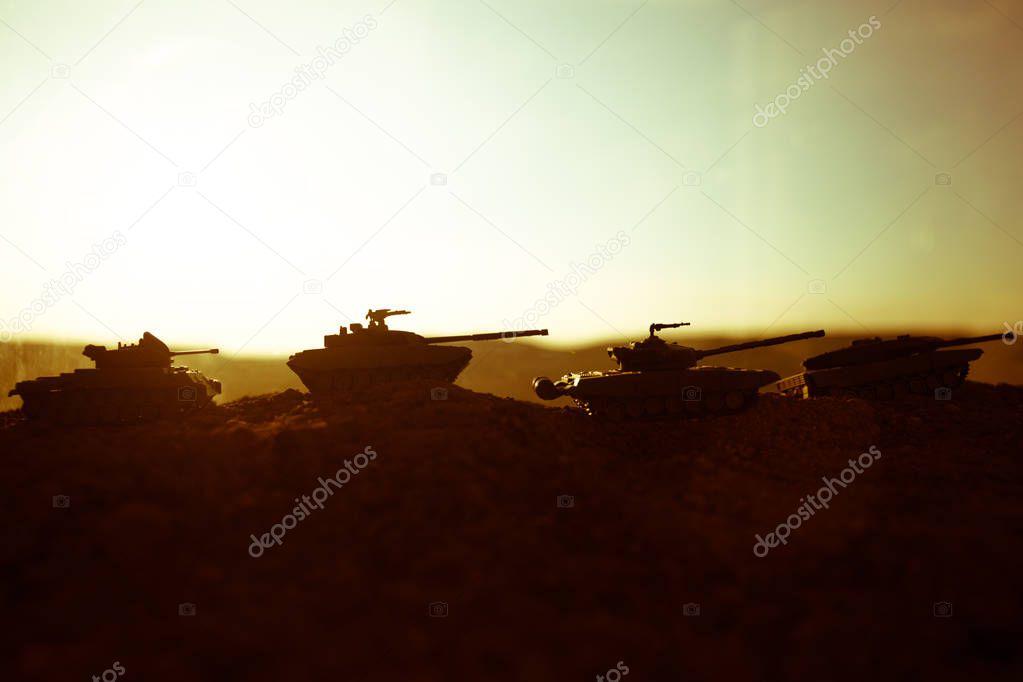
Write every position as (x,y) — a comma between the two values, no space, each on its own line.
(213,351)
(493,336)
(774,341)
(967,340)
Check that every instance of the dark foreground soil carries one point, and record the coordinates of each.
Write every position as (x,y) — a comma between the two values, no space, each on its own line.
(460,506)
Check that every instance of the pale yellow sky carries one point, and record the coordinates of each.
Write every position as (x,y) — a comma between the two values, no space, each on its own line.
(460,157)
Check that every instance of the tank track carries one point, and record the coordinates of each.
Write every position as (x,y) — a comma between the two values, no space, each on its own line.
(338,381)
(108,407)
(669,407)
(896,387)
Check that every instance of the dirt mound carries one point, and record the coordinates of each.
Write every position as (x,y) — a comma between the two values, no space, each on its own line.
(467,536)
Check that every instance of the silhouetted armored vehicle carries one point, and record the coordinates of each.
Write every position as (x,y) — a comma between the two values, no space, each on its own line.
(130,383)
(876,368)
(656,378)
(378,354)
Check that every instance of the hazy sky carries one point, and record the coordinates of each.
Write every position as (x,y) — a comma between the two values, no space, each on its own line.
(460,156)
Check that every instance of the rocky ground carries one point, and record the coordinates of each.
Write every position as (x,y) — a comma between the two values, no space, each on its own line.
(461,506)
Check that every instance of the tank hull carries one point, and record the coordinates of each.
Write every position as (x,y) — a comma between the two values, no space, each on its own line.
(920,374)
(111,396)
(692,392)
(331,370)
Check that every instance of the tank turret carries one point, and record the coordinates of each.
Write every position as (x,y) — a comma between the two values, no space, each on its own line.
(361,355)
(653,353)
(148,352)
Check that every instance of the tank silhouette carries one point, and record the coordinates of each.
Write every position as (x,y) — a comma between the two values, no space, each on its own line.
(131,383)
(362,356)
(659,378)
(886,368)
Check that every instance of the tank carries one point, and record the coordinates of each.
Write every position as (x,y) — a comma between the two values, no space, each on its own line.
(657,378)
(374,354)
(887,368)
(131,383)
